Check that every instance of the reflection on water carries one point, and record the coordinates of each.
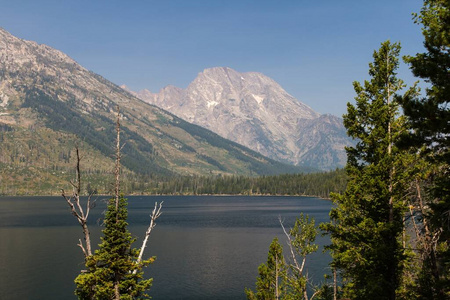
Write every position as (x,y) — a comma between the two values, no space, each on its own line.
(206,247)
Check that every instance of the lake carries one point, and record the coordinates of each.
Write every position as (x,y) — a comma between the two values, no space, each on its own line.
(207,247)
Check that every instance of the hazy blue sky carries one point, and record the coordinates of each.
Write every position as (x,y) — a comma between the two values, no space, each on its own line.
(314,49)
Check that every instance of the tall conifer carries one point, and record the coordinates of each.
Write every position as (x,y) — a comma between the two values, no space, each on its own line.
(367,223)
(430,120)
(270,284)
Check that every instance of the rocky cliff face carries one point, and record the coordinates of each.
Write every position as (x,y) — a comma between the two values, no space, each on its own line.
(253,110)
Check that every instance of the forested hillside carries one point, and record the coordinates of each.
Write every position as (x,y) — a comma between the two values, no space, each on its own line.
(38,170)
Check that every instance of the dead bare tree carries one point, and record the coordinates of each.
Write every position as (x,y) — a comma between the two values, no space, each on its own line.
(291,249)
(77,210)
(427,240)
(155,215)
(117,165)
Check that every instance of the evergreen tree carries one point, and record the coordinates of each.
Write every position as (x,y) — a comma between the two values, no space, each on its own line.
(113,269)
(367,223)
(430,119)
(270,284)
(430,115)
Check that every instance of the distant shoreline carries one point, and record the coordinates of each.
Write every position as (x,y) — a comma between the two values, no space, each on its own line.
(178,195)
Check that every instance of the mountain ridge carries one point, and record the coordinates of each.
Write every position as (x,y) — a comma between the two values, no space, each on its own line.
(46,94)
(255,111)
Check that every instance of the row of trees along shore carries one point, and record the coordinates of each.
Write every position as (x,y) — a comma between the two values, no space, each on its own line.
(390,228)
(313,184)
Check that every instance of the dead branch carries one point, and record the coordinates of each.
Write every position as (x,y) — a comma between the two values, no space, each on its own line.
(298,267)
(427,237)
(80,244)
(77,210)
(315,294)
(155,215)
(294,258)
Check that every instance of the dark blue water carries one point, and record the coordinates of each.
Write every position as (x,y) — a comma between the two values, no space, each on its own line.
(206,247)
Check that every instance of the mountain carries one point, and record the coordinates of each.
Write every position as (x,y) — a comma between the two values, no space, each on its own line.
(253,110)
(49,103)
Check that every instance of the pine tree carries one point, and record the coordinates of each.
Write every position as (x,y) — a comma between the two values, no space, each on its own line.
(270,284)
(367,223)
(430,115)
(113,269)
(430,119)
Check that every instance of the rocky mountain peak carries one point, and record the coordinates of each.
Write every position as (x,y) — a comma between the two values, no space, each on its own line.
(16,53)
(254,110)
(221,75)
(221,85)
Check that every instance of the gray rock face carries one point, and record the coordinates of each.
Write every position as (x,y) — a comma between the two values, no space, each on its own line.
(39,66)
(255,111)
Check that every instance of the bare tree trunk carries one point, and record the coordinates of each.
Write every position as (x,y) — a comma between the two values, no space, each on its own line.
(429,240)
(334,284)
(276,277)
(155,215)
(389,150)
(117,190)
(116,290)
(392,241)
(76,209)
(117,166)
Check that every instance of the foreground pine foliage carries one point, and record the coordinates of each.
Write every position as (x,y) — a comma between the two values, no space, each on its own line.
(114,268)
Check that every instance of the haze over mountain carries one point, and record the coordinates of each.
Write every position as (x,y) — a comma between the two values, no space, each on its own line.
(48,102)
(255,111)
